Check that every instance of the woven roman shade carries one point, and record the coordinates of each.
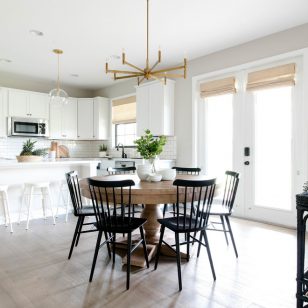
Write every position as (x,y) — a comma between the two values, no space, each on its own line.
(218,87)
(124,110)
(278,76)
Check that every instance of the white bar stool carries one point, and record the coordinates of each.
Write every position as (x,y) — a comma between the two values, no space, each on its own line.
(31,189)
(64,195)
(5,203)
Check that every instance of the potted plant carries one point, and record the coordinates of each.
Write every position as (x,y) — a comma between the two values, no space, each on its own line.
(149,147)
(29,154)
(102,150)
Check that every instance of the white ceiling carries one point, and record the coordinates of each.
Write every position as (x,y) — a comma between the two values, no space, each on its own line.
(91,31)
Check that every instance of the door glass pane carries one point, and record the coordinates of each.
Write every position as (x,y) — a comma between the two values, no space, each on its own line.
(272,147)
(219,134)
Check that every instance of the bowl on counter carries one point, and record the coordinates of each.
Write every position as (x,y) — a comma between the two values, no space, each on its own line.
(29,158)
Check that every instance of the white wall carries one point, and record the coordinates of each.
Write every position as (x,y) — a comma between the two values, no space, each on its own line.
(10,80)
(279,43)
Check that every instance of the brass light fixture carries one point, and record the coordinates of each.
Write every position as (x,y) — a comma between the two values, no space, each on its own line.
(148,72)
(58,94)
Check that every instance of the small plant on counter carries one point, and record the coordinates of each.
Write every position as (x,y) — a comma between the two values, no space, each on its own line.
(29,153)
(28,149)
(103,148)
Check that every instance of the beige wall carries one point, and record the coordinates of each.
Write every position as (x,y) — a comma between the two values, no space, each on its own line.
(279,43)
(10,80)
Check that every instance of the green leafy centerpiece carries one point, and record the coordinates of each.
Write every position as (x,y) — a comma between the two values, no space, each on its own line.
(149,147)
(29,153)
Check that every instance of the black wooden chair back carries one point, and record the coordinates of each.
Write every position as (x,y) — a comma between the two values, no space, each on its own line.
(74,189)
(110,202)
(197,197)
(121,170)
(184,170)
(231,184)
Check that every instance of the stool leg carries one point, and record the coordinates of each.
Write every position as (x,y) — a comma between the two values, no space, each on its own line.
(29,207)
(6,199)
(43,194)
(2,197)
(67,205)
(51,205)
(23,200)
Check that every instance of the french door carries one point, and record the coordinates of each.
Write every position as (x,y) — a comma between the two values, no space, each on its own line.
(254,133)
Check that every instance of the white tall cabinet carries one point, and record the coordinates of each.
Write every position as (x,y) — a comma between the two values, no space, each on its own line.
(26,104)
(94,118)
(63,120)
(3,111)
(155,108)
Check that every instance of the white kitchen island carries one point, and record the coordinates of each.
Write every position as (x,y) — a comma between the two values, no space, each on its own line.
(15,174)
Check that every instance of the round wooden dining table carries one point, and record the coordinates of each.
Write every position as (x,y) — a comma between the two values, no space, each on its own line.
(151,194)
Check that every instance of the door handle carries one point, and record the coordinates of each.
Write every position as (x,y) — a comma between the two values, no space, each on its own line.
(246,163)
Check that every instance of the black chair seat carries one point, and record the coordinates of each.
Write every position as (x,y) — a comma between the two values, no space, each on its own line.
(125,225)
(181,226)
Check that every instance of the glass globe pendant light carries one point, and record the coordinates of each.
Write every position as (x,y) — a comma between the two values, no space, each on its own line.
(58,94)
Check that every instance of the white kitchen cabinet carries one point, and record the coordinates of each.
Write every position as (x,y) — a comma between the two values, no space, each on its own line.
(63,120)
(93,118)
(3,112)
(26,104)
(155,108)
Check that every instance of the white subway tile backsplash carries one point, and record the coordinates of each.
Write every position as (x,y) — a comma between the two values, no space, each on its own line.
(10,147)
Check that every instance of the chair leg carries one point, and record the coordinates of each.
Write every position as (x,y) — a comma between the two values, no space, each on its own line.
(173,207)
(144,247)
(98,242)
(108,244)
(164,210)
(231,235)
(162,231)
(209,254)
(74,237)
(178,259)
(224,228)
(129,248)
(187,247)
(113,247)
(79,231)
(199,246)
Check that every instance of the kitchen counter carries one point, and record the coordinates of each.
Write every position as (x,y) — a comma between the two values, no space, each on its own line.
(16,174)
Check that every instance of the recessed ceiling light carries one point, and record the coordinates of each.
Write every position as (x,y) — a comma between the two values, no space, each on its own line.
(36,32)
(3,60)
(74,75)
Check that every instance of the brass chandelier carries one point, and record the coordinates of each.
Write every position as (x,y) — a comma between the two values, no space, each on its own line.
(148,72)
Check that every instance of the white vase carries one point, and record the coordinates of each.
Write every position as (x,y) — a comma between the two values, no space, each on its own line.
(102,154)
(152,162)
(143,171)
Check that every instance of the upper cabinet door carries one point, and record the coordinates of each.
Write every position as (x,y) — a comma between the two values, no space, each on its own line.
(3,112)
(55,121)
(39,105)
(18,103)
(101,120)
(69,119)
(85,119)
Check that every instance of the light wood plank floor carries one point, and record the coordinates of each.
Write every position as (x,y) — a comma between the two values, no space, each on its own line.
(35,272)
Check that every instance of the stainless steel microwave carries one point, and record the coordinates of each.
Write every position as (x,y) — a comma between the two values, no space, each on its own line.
(27,127)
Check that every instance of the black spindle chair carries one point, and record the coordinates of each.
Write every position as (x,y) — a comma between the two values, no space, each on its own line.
(107,198)
(80,211)
(223,208)
(182,170)
(189,192)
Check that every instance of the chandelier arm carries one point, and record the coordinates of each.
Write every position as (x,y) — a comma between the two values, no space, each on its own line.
(134,66)
(176,68)
(128,76)
(155,77)
(140,80)
(169,75)
(122,72)
(154,65)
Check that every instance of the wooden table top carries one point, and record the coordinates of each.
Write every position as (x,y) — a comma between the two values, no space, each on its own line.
(143,191)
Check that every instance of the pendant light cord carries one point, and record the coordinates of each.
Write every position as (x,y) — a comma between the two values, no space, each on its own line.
(147,61)
(58,82)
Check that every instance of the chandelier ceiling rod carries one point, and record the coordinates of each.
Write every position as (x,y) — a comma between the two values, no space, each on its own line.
(148,72)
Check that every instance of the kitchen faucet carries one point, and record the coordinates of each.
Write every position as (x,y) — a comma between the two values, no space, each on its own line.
(124,155)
